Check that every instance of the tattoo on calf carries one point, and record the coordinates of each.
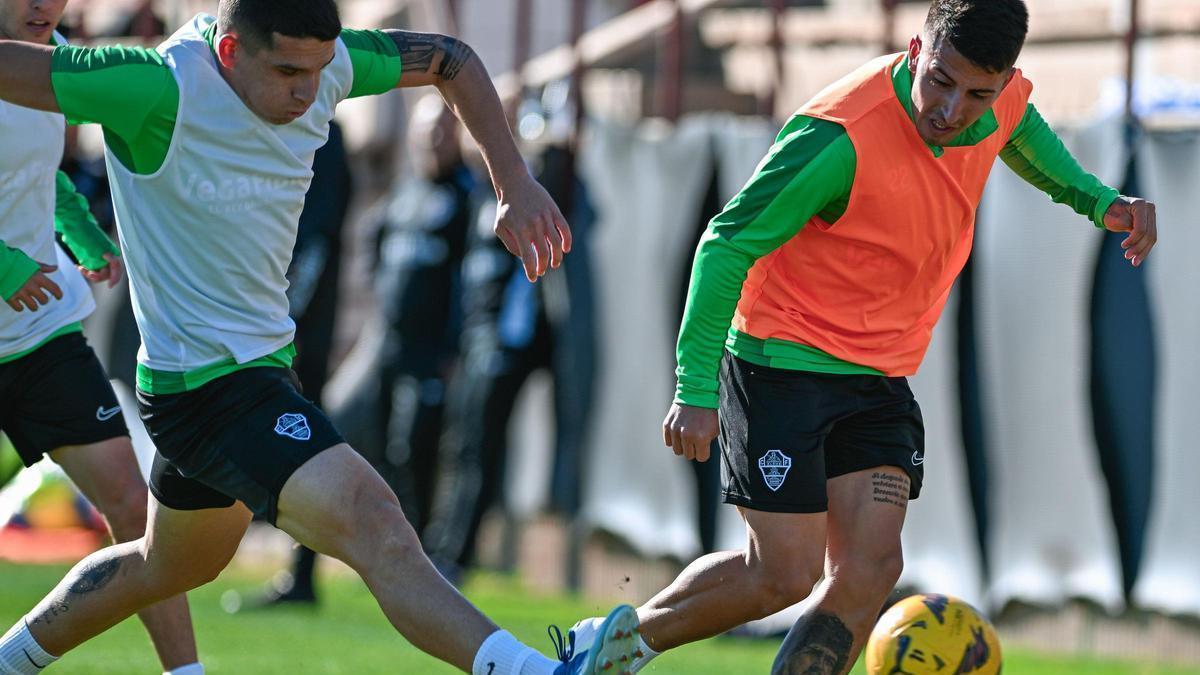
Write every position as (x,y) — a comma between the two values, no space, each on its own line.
(819,644)
(419,52)
(889,488)
(96,576)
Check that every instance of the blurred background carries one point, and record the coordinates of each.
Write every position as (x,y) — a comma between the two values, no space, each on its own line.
(520,423)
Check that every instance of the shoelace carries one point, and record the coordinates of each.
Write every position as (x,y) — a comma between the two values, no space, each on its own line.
(563,647)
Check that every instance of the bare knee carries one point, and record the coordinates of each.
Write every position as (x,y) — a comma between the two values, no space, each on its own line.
(375,533)
(783,580)
(125,512)
(870,576)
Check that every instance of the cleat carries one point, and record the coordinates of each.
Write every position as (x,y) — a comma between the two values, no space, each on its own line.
(612,641)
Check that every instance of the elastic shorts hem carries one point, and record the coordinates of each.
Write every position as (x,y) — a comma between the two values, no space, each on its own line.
(747,503)
(187,505)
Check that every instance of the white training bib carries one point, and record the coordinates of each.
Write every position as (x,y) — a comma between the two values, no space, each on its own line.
(33,147)
(208,237)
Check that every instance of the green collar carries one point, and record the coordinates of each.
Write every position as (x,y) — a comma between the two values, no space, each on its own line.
(210,36)
(972,135)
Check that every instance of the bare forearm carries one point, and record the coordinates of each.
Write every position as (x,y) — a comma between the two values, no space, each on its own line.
(25,75)
(474,101)
(457,72)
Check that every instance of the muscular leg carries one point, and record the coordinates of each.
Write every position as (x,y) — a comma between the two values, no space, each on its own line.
(338,505)
(722,590)
(107,474)
(864,560)
(180,551)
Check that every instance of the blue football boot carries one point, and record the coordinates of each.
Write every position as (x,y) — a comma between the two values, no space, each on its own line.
(612,649)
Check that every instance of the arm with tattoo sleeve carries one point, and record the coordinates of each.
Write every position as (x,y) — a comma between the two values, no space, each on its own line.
(528,221)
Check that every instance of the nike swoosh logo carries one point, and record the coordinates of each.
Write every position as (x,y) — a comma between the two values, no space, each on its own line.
(105,414)
(918,459)
(35,664)
(491,668)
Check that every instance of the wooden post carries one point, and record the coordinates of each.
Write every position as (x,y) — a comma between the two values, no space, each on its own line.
(767,103)
(523,34)
(888,41)
(1131,40)
(670,68)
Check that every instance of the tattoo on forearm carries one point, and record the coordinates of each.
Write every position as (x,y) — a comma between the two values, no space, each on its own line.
(819,644)
(441,55)
(889,488)
(96,576)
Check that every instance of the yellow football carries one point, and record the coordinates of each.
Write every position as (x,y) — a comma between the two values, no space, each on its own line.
(933,635)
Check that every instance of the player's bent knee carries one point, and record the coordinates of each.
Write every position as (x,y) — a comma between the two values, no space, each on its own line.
(126,515)
(782,586)
(870,576)
(378,535)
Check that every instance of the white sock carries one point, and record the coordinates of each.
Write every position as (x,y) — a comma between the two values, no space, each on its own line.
(189,669)
(503,654)
(648,655)
(20,654)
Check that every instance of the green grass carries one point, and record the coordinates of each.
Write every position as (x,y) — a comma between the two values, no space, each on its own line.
(348,634)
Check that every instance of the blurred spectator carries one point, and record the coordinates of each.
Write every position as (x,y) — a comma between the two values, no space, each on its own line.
(512,328)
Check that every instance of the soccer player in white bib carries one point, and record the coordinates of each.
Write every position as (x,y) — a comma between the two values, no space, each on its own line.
(55,398)
(210,142)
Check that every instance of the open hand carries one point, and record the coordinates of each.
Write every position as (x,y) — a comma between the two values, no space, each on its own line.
(690,431)
(1135,216)
(532,228)
(33,293)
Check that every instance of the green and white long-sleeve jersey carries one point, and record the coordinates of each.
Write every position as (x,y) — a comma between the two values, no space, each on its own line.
(207,195)
(35,200)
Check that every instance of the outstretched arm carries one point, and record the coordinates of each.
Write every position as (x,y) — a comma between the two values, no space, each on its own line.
(528,222)
(25,75)
(1037,155)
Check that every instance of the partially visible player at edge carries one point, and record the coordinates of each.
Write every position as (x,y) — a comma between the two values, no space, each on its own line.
(815,293)
(210,142)
(55,398)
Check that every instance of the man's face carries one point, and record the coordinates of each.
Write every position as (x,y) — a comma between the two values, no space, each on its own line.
(30,20)
(949,93)
(278,82)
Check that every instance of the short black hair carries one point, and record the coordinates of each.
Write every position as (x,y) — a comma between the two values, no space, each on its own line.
(257,21)
(990,33)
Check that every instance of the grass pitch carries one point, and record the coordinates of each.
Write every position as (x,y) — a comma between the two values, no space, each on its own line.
(347,634)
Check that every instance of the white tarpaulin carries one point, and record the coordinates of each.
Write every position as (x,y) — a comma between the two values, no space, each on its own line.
(1170,171)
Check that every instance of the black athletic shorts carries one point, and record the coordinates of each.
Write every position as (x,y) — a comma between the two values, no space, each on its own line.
(784,433)
(57,396)
(238,437)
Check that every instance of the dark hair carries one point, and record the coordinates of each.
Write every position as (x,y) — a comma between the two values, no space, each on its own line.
(257,21)
(990,33)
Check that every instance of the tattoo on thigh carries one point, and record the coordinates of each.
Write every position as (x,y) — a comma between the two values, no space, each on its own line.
(96,576)
(888,488)
(419,52)
(819,644)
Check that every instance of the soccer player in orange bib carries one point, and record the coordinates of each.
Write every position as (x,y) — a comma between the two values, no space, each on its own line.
(815,293)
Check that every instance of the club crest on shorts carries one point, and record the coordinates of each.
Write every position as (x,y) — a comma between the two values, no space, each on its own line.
(293,425)
(774,467)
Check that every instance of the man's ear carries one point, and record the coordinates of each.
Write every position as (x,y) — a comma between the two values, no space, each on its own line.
(229,50)
(914,50)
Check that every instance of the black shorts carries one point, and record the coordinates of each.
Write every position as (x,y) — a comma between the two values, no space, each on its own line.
(239,437)
(784,433)
(58,396)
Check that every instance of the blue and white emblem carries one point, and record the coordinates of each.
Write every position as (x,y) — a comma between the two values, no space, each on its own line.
(774,467)
(294,425)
